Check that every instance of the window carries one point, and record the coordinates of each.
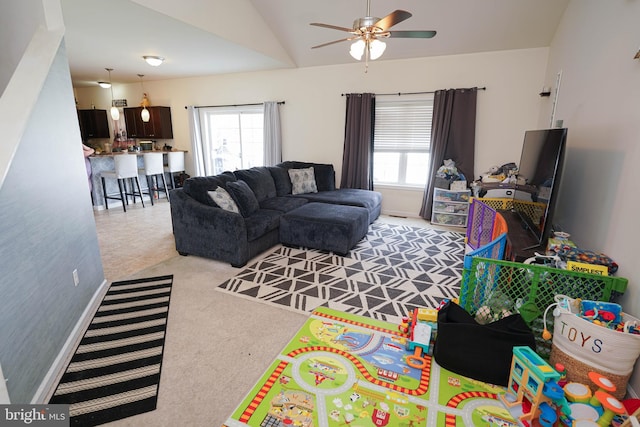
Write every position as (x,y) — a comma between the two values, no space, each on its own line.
(402,141)
(232,138)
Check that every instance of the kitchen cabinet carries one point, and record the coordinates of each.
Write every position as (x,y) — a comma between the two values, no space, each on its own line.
(158,127)
(93,124)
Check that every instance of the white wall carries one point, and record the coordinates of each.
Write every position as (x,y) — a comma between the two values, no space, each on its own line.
(313,116)
(18,23)
(599,102)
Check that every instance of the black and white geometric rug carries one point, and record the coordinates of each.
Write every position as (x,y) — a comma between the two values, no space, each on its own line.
(393,270)
(115,372)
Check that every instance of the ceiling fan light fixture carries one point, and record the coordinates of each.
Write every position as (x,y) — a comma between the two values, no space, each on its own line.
(370,30)
(357,49)
(153,60)
(376,49)
(104,85)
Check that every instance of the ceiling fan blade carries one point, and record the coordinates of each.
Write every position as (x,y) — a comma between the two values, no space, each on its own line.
(412,34)
(333,42)
(392,19)
(333,27)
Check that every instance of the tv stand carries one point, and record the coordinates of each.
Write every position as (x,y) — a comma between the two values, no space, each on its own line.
(520,239)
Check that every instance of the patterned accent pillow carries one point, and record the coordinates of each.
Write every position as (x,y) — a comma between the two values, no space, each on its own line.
(303,181)
(224,200)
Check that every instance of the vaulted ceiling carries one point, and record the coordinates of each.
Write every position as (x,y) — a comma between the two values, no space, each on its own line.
(208,37)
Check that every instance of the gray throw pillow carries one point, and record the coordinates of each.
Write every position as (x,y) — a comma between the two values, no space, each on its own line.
(303,181)
(260,181)
(281,180)
(224,200)
(244,197)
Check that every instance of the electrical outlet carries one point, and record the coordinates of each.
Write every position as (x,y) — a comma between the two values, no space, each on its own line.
(76,280)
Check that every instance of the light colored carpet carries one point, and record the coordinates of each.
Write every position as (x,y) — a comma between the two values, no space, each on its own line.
(217,345)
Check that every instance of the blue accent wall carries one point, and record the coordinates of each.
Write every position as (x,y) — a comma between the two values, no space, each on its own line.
(47,230)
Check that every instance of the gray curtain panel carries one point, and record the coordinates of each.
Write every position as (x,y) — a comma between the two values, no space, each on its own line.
(453,134)
(357,157)
(272,134)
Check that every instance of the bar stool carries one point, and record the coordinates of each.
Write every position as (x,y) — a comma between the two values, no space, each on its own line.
(175,163)
(126,167)
(153,167)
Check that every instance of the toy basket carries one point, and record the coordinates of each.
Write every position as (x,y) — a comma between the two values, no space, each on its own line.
(582,346)
(503,287)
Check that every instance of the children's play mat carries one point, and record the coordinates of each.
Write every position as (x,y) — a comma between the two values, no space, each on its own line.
(347,370)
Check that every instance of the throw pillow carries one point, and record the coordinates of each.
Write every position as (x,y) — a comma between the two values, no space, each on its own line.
(224,200)
(281,180)
(260,181)
(303,181)
(244,197)
(325,177)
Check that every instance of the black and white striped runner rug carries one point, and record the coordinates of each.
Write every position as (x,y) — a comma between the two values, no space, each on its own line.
(115,371)
(393,270)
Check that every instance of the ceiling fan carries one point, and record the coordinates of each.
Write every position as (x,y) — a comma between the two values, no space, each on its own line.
(369,30)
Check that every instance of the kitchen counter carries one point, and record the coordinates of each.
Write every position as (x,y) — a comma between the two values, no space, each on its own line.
(137,153)
(104,162)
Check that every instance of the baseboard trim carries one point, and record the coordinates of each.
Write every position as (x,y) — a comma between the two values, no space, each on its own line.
(401,214)
(51,380)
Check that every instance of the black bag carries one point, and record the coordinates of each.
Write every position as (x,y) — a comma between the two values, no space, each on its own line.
(481,352)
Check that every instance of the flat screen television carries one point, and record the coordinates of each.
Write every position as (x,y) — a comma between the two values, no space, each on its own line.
(539,174)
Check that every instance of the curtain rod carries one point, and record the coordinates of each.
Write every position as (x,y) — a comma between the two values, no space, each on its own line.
(410,93)
(230,105)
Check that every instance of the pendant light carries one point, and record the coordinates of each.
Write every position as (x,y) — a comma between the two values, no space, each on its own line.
(115,113)
(145,102)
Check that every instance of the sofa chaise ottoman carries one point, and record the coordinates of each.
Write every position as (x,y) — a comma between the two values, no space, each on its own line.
(324,226)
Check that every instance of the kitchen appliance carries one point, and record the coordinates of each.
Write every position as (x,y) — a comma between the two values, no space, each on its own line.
(146,145)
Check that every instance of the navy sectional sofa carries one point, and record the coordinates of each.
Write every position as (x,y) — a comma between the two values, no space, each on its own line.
(202,228)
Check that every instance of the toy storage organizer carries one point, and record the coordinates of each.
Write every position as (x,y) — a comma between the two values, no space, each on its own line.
(582,346)
(450,207)
(503,287)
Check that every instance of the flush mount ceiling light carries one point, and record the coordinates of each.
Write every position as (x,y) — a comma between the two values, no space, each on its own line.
(104,85)
(144,114)
(153,60)
(115,113)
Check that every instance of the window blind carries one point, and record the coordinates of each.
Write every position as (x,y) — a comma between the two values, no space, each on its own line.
(403,125)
